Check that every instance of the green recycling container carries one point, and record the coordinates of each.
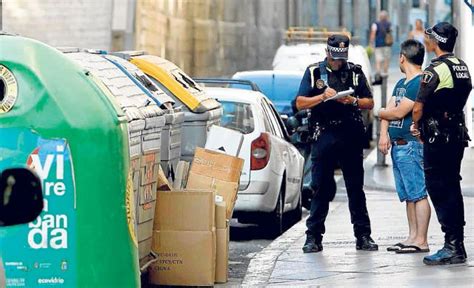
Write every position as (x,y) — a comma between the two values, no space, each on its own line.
(56,119)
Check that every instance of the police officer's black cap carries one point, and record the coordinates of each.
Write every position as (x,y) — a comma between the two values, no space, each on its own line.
(443,32)
(338,47)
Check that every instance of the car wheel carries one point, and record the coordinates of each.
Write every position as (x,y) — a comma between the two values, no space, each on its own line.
(276,217)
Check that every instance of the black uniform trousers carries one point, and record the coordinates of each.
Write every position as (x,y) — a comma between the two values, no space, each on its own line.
(344,146)
(442,175)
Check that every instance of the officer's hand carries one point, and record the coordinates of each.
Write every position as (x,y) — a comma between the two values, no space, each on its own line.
(414,130)
(328,93)
(384,144)
(346,100)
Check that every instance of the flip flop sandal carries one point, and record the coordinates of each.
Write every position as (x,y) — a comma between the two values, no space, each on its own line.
(395,247)
(412,249)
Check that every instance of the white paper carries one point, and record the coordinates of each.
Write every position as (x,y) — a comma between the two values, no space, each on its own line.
(341,94)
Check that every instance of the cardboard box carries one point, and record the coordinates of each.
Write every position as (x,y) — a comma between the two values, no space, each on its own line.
(228,190)
(182,171)
(185,211)
(184,258)
(222,254)
(216,171)
(216,165)
(221,220)
(163,183)
(224,140)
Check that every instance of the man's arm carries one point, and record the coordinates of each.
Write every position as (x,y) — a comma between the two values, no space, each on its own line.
(304,102)
(417,112)
(398,112)
(373,30)
(384,141)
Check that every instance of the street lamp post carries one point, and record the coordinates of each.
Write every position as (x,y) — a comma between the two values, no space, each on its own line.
(380,156)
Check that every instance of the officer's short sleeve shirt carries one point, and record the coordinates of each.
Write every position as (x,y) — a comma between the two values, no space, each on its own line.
(429,83)
(363,90)
(305,86)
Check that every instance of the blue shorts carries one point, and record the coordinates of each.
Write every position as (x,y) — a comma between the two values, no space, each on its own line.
(408,171)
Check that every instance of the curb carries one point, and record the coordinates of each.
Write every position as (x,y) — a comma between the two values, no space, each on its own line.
(261,267)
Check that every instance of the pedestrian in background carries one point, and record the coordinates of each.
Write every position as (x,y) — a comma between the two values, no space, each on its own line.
(407,150)
(382,39)
(337,137)
(418,34)
(438,112)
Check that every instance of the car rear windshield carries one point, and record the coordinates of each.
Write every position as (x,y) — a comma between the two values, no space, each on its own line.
(237,116)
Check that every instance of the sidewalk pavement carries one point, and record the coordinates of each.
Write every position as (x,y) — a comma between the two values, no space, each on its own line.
(283,263)
(381,177)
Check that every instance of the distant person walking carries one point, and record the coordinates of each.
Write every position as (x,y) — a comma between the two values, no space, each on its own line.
(418,34)
(381,38)
(407,151)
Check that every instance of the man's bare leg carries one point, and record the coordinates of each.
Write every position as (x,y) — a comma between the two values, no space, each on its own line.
(423,214)
(412,223)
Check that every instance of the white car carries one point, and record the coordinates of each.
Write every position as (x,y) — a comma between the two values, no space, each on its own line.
(298,57)
(270,184)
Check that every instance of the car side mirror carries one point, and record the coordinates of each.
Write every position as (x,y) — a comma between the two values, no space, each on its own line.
(284,117)
(21,196)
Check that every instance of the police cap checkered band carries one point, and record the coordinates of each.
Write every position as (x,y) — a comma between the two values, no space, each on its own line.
(443,32)
(438,38)
(338,46)
(337,49)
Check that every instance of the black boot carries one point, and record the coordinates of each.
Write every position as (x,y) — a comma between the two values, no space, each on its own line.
(312,245)
(453,252)
(366,243)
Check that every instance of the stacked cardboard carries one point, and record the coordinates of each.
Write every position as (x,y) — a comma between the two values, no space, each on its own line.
(218,172)
(222,243)
(191,227)
(184,238)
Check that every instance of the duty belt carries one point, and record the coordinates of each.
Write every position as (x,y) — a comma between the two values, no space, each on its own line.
(334,123)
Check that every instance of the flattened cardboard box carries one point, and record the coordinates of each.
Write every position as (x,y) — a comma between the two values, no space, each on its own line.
(216,171)
(216,165)
(184,258)
(162,183)
(185,210)
(228,190)
(221,221)
(222,255)
(224,140)
(222,243)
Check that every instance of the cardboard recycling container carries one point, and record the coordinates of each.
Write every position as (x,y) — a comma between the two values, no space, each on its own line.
(216,171)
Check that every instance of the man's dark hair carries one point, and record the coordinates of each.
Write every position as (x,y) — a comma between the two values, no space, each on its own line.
(414,51)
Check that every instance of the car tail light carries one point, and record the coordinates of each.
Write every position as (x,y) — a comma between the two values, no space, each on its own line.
(260,152)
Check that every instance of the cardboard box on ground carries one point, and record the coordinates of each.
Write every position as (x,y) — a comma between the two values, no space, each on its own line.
(191,229)
(216,171)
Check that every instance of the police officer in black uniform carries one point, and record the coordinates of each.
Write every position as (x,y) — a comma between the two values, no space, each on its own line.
(337,138)
(438,115)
